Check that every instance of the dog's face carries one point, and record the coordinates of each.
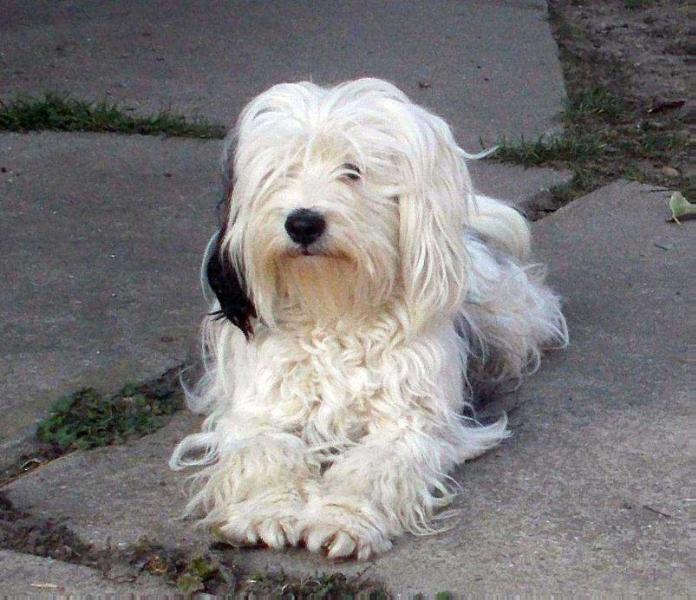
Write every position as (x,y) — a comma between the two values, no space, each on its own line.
(342,200)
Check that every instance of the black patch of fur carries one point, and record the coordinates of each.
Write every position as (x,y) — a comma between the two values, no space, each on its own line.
(227,284)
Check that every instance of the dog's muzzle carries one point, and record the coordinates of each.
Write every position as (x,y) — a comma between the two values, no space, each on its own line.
(305,226)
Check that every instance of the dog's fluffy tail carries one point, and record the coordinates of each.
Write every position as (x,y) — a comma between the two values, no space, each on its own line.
(502,226)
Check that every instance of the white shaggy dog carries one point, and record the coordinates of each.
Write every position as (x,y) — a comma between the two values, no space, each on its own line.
(362,289)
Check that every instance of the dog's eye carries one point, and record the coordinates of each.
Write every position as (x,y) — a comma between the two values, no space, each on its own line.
(350,171)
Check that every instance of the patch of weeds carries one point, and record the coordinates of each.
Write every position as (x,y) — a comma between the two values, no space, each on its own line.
(634,173)
(190,574)
(569,30)
(210,572)
(21,532)
(637,4)
(578,149)
(330,586)
(562,148)
(216,573)
(593,102)
(63,113)
(86,419)
(201,571)
(659,144)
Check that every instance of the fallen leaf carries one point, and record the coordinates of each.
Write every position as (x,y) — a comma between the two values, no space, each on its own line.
(680,206)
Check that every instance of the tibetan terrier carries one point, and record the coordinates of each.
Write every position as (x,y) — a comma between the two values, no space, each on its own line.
(362,290)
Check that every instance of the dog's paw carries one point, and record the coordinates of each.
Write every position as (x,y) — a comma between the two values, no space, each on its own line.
(274,532)
(343,531)
(253,523)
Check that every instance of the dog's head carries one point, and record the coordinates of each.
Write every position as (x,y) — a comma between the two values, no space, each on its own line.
(340,201)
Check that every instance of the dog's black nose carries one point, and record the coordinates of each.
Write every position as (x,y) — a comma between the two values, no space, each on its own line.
(305,226)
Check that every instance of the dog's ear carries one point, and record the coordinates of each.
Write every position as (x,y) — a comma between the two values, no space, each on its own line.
(225,280)
(432,214)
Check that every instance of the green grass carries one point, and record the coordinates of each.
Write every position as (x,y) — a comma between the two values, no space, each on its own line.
(549,149)
(86,419)
(594,102)
(63,113)
(637,4)
(581,146)
(216,572)
(325,585)
(656,143)
(603,139)
(199,571)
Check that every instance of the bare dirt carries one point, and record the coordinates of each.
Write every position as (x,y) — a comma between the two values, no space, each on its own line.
(638,50)
(644,43)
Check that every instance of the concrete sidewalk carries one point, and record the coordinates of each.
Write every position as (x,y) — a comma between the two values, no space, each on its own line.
(488,66)
(25,575)
(100,245)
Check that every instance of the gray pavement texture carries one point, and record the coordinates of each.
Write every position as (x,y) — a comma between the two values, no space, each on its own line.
(488,66)
(588,496)
(24,575)
(100,243)
(528,189)
(119,494)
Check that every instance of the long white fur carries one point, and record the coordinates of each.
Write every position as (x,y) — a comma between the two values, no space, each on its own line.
(339,421)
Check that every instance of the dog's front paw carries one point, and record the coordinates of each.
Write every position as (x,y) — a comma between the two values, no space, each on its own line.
(344,528)
(252,522)
(275,532)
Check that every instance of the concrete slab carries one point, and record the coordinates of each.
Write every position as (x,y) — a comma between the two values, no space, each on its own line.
(116,495)
(529,189)
(100,243)
(24,575)
(489,67)
(588,496)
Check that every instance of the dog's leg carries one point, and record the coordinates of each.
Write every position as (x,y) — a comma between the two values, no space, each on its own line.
(255,490)
(392,482)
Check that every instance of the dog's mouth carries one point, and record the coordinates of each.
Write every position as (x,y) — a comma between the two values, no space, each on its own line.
(300,252)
